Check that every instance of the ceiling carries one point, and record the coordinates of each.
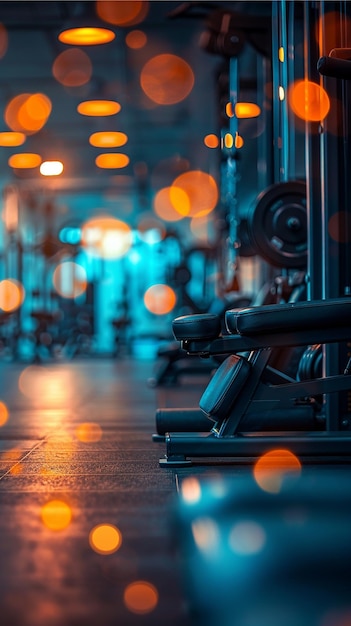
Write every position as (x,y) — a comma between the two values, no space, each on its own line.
(163,140)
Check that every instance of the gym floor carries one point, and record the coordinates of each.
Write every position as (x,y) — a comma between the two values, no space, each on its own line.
(77,456)
(79,434)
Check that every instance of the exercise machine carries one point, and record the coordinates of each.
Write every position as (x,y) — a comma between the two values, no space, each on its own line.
(245,386)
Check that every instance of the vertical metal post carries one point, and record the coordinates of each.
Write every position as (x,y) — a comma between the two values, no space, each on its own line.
(314,181)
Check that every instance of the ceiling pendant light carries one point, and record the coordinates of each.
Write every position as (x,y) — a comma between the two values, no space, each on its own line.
(24,160)
(112,160)
(12,138)
(86,36)
(108,139)
(97,108)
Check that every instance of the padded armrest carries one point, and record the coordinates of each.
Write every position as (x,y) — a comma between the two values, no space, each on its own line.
(290,317)
(202,326)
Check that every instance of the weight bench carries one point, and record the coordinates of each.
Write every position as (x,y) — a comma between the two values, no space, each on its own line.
(245,387)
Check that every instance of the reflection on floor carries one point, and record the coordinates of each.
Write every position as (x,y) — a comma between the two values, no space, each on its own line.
(86,512)
(93,531)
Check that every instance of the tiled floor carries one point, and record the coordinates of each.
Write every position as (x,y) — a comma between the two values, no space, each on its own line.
(93,532)
(79,435)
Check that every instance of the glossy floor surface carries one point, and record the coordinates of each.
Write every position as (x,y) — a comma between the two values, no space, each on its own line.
(94,532)
(76,456)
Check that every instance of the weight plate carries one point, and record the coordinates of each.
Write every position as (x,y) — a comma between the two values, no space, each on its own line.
(277,225)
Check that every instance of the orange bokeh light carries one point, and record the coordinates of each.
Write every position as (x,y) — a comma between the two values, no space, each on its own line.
(167,79)
(28,113)
(238,141)
(108,139)
(211,141)
(245,110)
(98,108)
(140,597)
(122,13)
(106,237)
(309,101)
(86,36)
(136,39)
(12,138)
(11,295)
(56,515)
(69,279)
(164,208)
(24,160)
(105,538)
(88,432)
(273,467)
(160,299)
(111,160)
(72,68)
(194,193)
(4,413)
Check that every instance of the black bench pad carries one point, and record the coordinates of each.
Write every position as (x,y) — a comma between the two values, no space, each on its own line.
(289,317)
(202,326)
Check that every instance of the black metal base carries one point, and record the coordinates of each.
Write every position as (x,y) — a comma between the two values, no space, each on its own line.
(318,446)
(158,438)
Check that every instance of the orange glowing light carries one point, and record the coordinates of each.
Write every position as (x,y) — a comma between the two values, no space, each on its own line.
(12,139)
(191,490)
(238,141)
(140,597)
(194,193)
(72,68)
(229,109)
(164,208)
(106,237)
(108,139)
(86,36)
(98,108)
(245,110)
(69,279)
(273,467)
(88,432)
(167,79)
(105,538)
(136,39)
(160,299)
(28,113)
(24,160)
(4,40)
(56,515)
(309,101)
(228,140)
(112,160)
(4,413)
(211,141)
(51,388)
(122,13)
(11,294)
